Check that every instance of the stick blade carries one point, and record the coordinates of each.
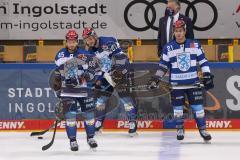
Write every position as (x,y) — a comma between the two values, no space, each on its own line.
(36,134)
(46,147)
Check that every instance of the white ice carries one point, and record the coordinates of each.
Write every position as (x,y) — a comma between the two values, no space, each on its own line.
(119,146)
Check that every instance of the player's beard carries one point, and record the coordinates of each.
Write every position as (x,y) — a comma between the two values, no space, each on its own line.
(72,49)
(95,44)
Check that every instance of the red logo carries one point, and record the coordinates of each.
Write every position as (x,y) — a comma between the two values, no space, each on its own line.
(238,9)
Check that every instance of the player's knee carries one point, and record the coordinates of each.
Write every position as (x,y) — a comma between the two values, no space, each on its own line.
(90,122)
(71,122)
(100,104)
(198,111)
(70,115)
(98,124)
(200,114)
(178,111)
(100,107)
(128,107)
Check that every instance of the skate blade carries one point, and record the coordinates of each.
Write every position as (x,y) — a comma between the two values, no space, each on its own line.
(207,141)
(180,140)
(93,149)
(133,134)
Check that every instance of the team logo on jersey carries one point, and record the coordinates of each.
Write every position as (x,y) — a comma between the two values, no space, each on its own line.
(106,63)
(184,61)
(71,69)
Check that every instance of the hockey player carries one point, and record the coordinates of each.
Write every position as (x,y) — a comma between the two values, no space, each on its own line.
(75,91)
(181,57)
(106,49)
(71,50)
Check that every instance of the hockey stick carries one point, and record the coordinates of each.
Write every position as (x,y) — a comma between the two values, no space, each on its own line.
(44,148)
(140,88)
(42,132)
(109,79)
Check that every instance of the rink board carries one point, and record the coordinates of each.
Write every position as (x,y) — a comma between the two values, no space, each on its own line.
(27,103)
(24,125)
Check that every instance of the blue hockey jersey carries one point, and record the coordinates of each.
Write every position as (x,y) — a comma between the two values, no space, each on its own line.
(84,71)
(85,65)
(64,55)
(108,46)
(182,61)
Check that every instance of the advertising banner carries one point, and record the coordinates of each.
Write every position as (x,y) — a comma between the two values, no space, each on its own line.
(125,19)
(152,125)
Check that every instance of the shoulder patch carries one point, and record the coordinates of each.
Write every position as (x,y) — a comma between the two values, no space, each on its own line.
(60,55)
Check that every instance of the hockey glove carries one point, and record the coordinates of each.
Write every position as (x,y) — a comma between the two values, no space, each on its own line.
(71,83)
(208,80)
(62,107)
(153,82)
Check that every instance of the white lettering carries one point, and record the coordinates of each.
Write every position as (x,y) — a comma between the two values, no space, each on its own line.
(120,124)
(41,107)
(11,92)
(148,124)
(38,92)
(47,91)
(234,103)
(19,92)
(30,107)
(28,93)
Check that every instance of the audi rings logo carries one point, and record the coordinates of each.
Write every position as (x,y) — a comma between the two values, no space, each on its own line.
(150,7)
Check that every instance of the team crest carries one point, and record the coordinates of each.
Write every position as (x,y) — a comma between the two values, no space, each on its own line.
(71,69)
(184,61)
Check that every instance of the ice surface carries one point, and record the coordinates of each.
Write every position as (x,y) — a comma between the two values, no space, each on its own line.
(119,146)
